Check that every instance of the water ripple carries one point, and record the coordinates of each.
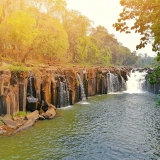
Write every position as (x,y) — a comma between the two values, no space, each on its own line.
(112,127)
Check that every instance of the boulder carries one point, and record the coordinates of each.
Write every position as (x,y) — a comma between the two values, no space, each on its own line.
(28,124)
(51,106)
(51,112)
(9,122)
(34,115)
(41,117)
(1,132)
(20,121)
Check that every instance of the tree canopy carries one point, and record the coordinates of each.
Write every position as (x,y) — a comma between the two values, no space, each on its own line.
(145,15)
(46,31)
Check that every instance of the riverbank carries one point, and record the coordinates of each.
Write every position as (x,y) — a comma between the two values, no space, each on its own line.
(33,89)
(41,88)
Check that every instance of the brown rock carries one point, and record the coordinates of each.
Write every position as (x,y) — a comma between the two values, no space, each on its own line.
(47,115)
(51,106)
(41,117)
(9,122)
(34,115)
(20,121)
(28,124)
(1,132)
(52,112)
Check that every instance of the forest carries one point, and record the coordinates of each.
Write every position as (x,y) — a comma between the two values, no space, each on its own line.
(46,31)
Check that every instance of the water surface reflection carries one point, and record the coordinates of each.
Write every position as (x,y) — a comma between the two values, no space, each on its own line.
(114,127)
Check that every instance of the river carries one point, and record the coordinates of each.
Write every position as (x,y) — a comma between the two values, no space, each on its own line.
(121,126)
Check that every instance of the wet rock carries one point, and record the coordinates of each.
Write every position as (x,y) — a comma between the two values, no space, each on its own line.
(28,124)
(1,132)
(47,115)
(51,106)
(41,117)
(51,112)
(20,121)
(44,115)
(9,122)
(45,107)
(34,115)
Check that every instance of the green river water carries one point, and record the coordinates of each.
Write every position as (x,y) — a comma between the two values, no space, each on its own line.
(109,127)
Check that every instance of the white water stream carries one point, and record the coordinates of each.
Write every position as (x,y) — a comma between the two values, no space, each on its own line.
(136,82)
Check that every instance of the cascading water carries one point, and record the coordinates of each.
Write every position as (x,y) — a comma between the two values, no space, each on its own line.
(63,94)
(30,84)
(113,84)
(83,95)
(66,94)
(136,81)
(31,100)
(123,84)
(110,80)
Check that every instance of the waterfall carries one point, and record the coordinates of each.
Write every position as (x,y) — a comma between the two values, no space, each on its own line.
(123,84)
(67,94)
(63,94)
(115,83)
(112,83)
(109,82)
(30,84)
(31,98)
(83,95)
(136,81)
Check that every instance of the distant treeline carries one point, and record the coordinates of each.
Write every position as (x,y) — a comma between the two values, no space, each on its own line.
(46,30)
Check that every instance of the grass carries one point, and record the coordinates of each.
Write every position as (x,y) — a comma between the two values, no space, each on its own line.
(1,123)
(17,68)
(21,114)
(14,67)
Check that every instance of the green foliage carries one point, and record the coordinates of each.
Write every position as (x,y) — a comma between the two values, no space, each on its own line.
(52,39)
(146,21)
(158,102)
(76,26)
(154,77)
(21,114)
(18,68)
(17,32)
(47,31)
(1,122)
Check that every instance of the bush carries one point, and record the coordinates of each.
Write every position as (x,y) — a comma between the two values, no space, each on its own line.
(155,76)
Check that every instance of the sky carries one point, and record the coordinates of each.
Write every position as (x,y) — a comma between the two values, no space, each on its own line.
(105,13)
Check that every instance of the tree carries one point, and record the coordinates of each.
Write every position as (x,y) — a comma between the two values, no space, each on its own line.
(146,17)
(16,35)
(102,39)
(52,39)
(9,6)
(76,26)
(54,8)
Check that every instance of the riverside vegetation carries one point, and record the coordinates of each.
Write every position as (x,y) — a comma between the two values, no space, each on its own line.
(55,34)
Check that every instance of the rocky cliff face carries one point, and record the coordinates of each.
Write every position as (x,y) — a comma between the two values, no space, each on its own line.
(21,91)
